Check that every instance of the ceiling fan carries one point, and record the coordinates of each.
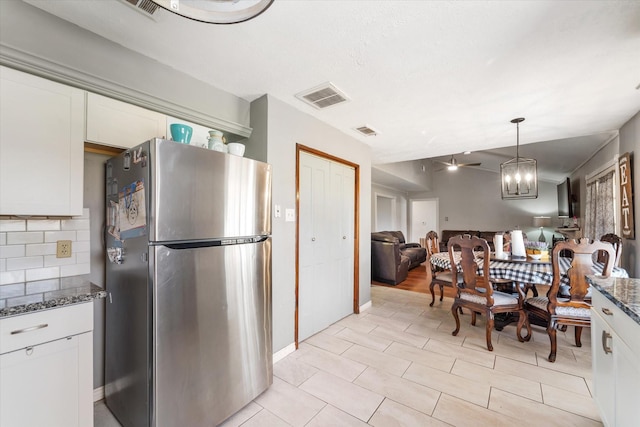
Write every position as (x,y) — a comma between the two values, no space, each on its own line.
(453,164)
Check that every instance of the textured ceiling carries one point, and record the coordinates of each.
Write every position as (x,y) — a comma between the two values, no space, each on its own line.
(433,77)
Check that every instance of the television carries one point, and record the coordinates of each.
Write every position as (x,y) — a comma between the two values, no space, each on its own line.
(565,207)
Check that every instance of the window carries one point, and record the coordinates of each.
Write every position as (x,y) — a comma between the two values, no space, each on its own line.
(600,215)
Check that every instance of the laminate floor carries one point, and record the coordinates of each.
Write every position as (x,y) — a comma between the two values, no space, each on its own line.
(397,364)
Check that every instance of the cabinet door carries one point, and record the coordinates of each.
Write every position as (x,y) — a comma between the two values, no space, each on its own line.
(41,146)
(603,368)
(627,394)
(43,385)
(118,124)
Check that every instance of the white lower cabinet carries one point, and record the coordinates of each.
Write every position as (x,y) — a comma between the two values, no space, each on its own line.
(49,381)
(615,347)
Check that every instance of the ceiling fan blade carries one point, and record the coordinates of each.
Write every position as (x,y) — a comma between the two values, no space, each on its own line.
(469,164)
(444,163)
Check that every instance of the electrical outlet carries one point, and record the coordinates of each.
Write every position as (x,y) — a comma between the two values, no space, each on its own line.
(63,249)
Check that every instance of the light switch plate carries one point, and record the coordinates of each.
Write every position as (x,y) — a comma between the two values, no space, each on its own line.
(290,215)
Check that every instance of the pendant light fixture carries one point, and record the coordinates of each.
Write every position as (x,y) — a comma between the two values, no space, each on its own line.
(216,11)
(519,176)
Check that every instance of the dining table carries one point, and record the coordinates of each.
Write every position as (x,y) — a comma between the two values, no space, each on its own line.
(526,272)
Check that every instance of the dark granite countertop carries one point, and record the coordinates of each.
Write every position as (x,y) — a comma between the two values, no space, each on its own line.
(623,292)
(76,290)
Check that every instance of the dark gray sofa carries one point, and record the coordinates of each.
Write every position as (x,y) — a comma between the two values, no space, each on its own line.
(392,257)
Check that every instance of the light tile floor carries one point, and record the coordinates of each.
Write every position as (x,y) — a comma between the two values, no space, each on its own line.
(397,364)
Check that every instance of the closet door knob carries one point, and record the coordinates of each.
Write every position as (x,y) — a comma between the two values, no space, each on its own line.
(313,239)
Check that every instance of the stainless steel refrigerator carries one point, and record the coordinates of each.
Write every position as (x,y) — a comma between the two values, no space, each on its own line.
(188,310)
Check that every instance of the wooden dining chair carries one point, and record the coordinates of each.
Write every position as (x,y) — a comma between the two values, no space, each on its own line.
(475,292)
(616,241)
(571,310)
(439,276)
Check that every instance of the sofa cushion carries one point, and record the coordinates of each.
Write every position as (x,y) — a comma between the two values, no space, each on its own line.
(399,235)
(487,235)
(384,236)
(447,234)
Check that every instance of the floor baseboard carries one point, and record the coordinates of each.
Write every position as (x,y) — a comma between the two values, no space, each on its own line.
(98,393)
(279,355)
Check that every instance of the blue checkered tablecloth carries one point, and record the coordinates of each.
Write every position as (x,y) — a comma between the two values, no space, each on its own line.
(524,272)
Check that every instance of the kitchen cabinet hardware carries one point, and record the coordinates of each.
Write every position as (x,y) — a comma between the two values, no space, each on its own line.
(606,336)
(29,329)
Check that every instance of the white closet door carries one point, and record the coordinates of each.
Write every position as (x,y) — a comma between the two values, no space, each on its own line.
(325,287)
(343,202)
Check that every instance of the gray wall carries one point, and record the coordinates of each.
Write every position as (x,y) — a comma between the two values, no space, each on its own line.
(410,171)
(287,126)
(106,67)
(578,184)
(401,207)
(470,199)
(628,140)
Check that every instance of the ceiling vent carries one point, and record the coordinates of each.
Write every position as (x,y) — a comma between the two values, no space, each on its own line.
(323,96)
(367,130)
(146,6)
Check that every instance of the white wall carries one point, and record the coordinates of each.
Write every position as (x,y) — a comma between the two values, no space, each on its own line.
(470,199)
(286,127)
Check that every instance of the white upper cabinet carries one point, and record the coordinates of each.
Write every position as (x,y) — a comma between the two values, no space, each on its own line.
(118,124)
(41,146)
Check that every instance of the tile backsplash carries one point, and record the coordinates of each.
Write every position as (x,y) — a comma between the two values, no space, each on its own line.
(28,263)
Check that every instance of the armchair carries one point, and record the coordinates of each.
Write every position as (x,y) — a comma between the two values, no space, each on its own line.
(388,265)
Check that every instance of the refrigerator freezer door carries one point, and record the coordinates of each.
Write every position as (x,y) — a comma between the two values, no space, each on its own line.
(212,331)
(127,339)
(201,194)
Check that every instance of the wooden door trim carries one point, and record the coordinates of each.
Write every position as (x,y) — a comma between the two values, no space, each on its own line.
(356,228)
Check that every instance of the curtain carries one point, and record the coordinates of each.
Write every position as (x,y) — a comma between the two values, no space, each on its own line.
(600,206)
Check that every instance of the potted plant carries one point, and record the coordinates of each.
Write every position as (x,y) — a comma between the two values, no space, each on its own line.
(536,250)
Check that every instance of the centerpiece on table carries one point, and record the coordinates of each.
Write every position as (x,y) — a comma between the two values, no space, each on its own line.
(536,250)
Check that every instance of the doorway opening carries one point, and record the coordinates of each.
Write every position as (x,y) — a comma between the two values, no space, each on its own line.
(424,218)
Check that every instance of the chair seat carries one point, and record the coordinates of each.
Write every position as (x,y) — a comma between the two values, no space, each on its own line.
(446,276)
(499,298)
(538,302)
(541,303)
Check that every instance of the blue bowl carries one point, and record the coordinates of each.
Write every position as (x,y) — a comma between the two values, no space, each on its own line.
(181,133)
